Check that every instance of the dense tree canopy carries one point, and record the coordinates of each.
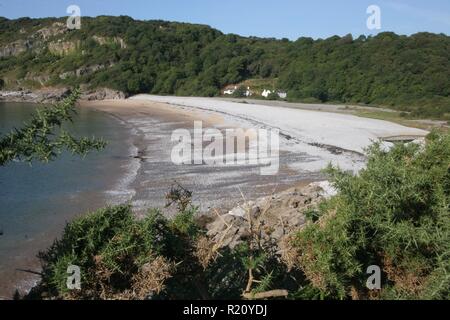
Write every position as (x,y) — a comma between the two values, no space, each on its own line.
(411,73)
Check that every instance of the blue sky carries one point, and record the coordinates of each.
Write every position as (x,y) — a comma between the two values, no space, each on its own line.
(281,18)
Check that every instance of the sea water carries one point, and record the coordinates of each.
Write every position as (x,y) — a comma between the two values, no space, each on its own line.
(37,200)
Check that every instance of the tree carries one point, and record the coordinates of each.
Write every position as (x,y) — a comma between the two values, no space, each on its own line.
(404,72)
(2,84)
(42,138)
(273,96)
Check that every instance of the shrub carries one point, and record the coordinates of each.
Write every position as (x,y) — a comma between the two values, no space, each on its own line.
(273,96)
(109,246)
(394,214)
(240,92)
(42,139)
(159,258)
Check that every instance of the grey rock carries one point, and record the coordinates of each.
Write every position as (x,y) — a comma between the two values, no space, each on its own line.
(273,217)
(52,95)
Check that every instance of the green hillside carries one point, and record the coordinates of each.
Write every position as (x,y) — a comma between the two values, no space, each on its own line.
(410,73)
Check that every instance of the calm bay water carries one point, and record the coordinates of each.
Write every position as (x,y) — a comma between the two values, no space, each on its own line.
(36,201)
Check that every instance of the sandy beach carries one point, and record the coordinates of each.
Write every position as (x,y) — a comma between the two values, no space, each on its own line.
(325,136)
(309,141)
(219,187)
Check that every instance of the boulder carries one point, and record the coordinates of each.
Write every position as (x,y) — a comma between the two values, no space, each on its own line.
(273,217)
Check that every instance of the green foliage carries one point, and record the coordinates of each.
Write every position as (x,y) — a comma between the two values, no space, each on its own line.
(2,84)
(272,96)
(394,214)
(409,73)
(111,248)
(312,214)
(240,92)
(184,222)
(264,284)
(42,138)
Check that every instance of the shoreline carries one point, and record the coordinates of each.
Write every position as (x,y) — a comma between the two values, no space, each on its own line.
(316,153)
(339,139)
(140,114)
(146,119)
(35,230)
(329,137)
(47,95)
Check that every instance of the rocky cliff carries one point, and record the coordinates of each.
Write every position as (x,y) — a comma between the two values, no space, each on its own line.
(50,43)
(52,95)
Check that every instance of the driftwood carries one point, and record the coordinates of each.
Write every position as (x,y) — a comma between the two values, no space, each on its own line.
(265,295)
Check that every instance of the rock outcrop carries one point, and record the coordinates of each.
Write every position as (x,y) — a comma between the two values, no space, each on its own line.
(62,48)
(85,70)
(110,40)
(49,95)
(15,48)
(55,29)
(102,94)
(52,95)
(36,41)
(274,217)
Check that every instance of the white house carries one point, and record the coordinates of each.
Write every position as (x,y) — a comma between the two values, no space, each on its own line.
(266,93)
(282,94)
(230,90)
